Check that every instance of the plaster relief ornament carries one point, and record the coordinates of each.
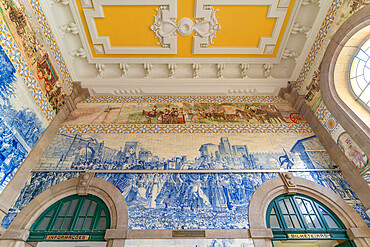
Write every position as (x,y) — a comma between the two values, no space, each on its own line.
(165,27)
(267,68)
(206,28)
(196,68)
(127,91)
(307,2)
(63,2)
(69,28)
(80,52)
(220,70)
(148,70)
(298,28)
(243,70)
(124,69)
(171,70)
(101,70)
(289,54)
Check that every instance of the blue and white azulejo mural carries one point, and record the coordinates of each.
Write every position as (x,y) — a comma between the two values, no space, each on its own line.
(184,200)
(21,121)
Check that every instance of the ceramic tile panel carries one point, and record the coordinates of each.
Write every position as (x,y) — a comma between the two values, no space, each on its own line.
(325,26)
(22,122)
(189,242)
(352,151)
(176,200)
(33,50)
(185,99)
(51,42)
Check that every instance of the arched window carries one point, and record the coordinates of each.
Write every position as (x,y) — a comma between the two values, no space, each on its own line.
(299,214)
(72,218)
(360,74)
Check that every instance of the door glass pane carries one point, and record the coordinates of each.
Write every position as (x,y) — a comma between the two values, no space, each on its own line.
(272,211)
(103,224)
(85,207)
(289,206)
(308,221)
(66,224)
(103,213)
(79,223)
(58,224)
(51,213)
(288,221)
(295,221)
(64,209)
(316,221)
(72,208)
(92,209)
(282,207)
(273,222)
(44,223)
(301,206)
(309,207)
(87,223)
(331,223)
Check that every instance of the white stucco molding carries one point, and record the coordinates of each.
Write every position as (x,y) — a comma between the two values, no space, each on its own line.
(94,9)
(277,9)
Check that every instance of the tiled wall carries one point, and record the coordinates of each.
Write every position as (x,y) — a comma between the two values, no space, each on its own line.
(163,200)
(31,87)
(353,152)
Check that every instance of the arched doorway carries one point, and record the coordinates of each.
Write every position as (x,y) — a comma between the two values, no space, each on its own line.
(299,220)
(287,184)
(74,218)
(84,189)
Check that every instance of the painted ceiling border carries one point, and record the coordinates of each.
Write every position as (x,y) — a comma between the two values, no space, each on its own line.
(11,49)
(182,128)
(325,26)
(185,99)
(41,18)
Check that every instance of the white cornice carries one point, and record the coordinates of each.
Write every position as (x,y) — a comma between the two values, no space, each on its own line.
(200,73)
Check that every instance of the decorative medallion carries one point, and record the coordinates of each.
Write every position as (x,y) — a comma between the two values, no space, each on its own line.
(205,27)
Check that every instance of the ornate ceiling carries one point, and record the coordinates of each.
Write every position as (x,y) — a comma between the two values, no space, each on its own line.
(243,47)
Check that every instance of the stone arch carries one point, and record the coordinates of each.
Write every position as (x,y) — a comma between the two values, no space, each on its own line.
(333,79)
(85,184)
(288,184)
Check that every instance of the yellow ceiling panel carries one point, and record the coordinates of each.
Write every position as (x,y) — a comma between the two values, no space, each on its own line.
(243,25)
(127,25)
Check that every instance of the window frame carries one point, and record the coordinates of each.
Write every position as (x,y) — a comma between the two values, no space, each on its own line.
(94,234)
(357,98)
(282,232)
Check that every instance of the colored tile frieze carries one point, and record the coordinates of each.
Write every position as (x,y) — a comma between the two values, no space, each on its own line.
(11,49)
(33,50)
(352,151)
(184,129)
(325,26)
(185,99)
(51,41)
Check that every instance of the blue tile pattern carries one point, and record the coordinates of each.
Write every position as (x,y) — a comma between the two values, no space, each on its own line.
(21,122)
(183,200)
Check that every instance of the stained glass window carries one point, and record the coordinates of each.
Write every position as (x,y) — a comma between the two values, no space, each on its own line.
(360,74)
